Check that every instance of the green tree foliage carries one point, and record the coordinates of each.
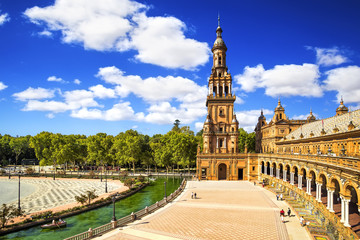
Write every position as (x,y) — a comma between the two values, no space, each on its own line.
(99,148)
(5,149)
(19,145)
(247,139)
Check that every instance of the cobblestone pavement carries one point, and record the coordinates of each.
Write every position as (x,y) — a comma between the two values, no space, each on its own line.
(222,210)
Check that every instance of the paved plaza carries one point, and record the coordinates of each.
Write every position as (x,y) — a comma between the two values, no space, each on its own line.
(47,193)
(222,210)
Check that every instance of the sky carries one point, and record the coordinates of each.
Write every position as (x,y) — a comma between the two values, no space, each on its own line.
(90,66)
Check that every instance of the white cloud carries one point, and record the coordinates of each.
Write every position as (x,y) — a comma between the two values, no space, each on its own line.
(4,18)
(45,33)
(80,99)
(249,118)
(329,56)
(34,93)
(77,81)
(55,79)
(2,86)
(50,115)
(346,81)
(282,80)
(161,41)
(45,106)
(154,89)
(121,25)
(102,92)
(199,126)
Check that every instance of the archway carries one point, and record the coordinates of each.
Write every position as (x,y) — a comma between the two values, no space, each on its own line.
(296,175)
(336,198)
(262,167)
(304,179)
(354,217)
(281,167)
(268,168)
(313,184)
(323,189)
(287,169)
(273,165)
(222,171)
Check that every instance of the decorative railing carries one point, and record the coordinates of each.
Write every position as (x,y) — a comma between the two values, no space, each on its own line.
(343,232)
(339,161)
(129,218)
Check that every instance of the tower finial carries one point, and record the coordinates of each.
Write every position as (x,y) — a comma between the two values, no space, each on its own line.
(342,101)
(218,19)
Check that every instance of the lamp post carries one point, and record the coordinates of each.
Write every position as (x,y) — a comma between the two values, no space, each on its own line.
(106,190)
(19,207)
(113,200)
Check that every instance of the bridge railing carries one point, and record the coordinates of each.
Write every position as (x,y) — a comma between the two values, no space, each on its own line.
(344,232)
(129,218)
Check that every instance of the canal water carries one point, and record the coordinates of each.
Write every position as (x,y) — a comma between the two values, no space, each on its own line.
(95,218)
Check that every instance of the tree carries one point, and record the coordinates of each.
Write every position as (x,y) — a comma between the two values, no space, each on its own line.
(247,139)
(176,126)
(19,146)
(81,199)
(5,149)
(99,149)
(90,195)
(6,213)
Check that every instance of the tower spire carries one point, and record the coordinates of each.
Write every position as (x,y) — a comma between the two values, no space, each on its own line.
(218,19)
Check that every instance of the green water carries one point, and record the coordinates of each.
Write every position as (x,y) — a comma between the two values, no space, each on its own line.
(95,218)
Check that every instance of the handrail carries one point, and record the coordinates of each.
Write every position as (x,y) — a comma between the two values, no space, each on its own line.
(129,218)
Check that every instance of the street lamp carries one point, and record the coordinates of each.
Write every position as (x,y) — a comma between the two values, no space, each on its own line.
(113,200)
(106,190)
(19,207)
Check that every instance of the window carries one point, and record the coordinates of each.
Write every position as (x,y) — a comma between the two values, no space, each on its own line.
(219,61)
(253,168)
(219,74)
(220,142)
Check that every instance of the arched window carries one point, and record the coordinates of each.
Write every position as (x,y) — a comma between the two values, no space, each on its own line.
(219,61)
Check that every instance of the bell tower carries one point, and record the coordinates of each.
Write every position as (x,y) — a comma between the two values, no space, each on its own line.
(220,131)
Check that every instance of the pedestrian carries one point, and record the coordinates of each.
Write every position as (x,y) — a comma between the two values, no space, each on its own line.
(301,221)
(192,195)
(282,212)
(281,197)
(254,183)
(289,212)
(195,195)
(277,197)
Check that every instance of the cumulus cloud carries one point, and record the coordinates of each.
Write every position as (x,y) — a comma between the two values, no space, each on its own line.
(282,80)
(2,86)
(154,89)
(77,81)
(34,93)
(248,119)
(346,81)
(45,106)
(55,79)
(102,92)
(45,33)
(122,25)
(198,126)
(329,56)
(4,18)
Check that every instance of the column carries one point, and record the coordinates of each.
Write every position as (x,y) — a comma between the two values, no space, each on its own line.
(342,209)
(265,169)
(224,89)
(308,186)
(271,171)
(292,178)
(319,194)
(210,89)
(300,181)
(229,88)
(277,173)
(217,142)
(330,197)
(346,208)
(225,142)
(284,177)
(217,89)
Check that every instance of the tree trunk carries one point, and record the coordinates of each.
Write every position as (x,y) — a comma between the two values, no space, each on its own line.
(134,168)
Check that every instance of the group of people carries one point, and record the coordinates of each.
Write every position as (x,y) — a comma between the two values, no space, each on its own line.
(279,197)
(193,195)
(282,214)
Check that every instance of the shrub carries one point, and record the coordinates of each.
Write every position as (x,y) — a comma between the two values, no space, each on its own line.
(29,171)
(141,178)
(91,174)
(129,182)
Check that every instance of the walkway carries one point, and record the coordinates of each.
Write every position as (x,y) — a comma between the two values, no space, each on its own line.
(222,210)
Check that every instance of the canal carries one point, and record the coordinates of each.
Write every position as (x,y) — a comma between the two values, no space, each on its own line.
(92,219)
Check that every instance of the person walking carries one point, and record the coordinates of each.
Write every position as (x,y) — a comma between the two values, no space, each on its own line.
(281,197)
(195,195)
(192,195)
(301,221)
(282,212)
(289,212)
(277,197)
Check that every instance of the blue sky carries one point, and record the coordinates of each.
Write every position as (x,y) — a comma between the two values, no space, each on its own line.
(89,66)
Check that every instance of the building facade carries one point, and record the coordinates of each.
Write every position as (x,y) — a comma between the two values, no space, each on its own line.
(220,158)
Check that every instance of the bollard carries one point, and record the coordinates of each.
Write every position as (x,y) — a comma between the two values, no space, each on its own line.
(146,210)
(157,204)
(133,216)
